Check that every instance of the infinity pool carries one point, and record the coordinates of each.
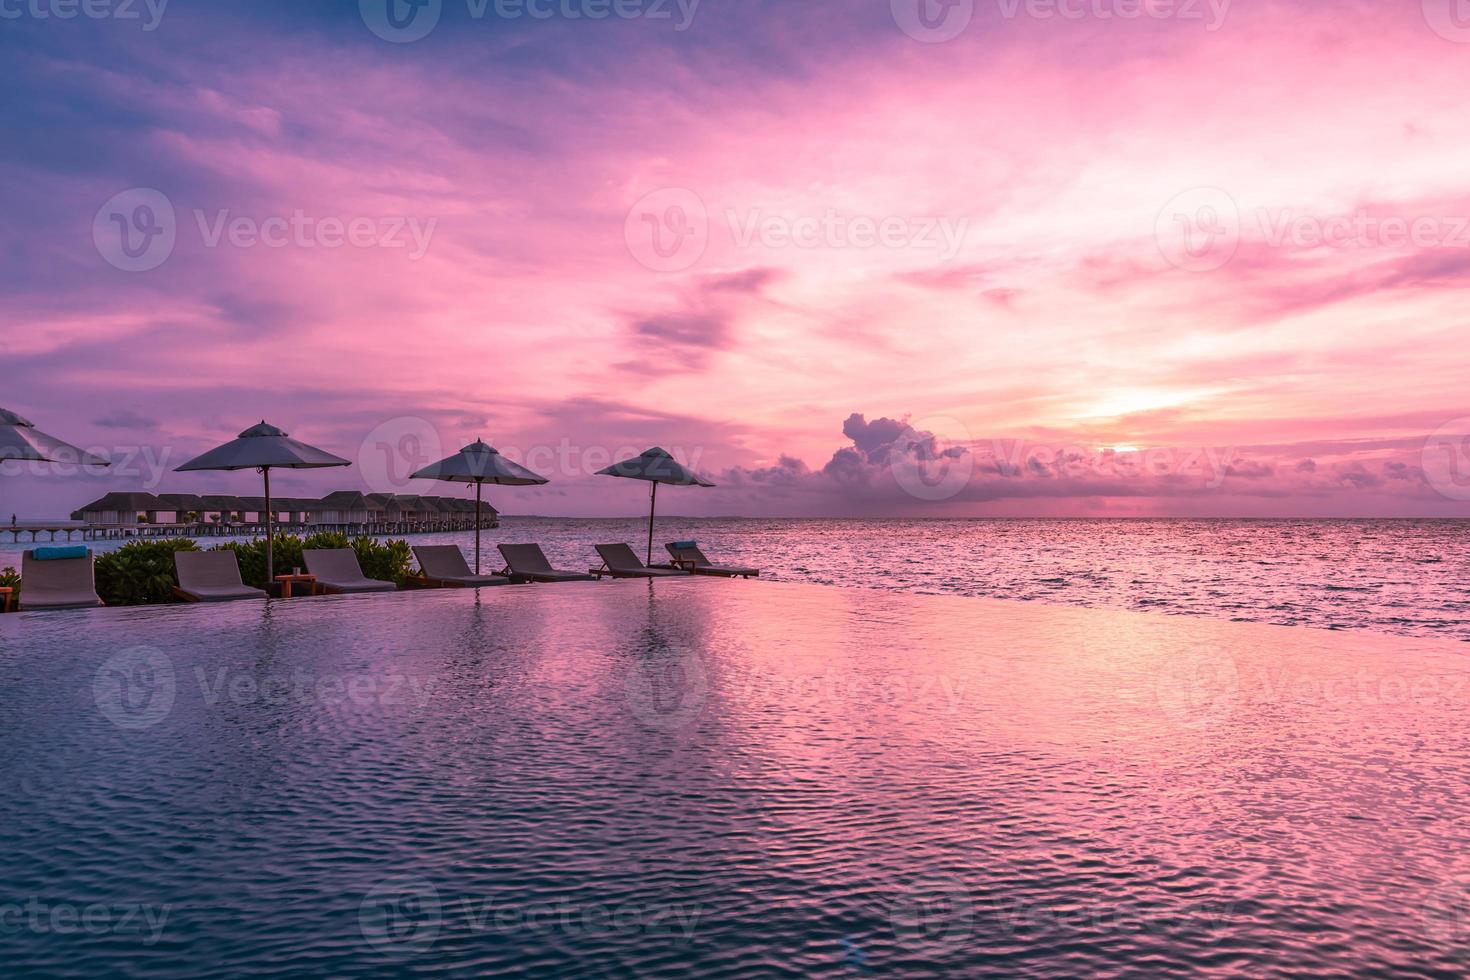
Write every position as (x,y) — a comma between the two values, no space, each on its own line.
(721,779)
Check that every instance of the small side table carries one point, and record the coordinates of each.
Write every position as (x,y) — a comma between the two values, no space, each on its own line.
(288,580)
(5,594)
(687,564)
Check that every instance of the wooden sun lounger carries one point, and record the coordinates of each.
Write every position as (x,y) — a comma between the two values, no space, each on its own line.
(620,561)
(211,576)
(442,566)
(689,556)
(527,563)
(63,583)
(337,570)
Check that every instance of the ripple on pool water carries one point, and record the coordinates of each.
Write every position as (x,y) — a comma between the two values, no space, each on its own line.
(724,779)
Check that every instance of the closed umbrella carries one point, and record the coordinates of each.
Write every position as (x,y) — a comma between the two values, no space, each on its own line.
(264,447)
(479,464)
(656,466)
(21,440)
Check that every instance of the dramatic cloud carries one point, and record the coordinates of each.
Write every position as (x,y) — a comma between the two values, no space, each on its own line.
(793,210)
(873,439)
(893,468)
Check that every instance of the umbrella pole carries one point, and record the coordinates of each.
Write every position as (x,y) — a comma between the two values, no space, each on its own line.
(652,499)
(478,485)
(270,557)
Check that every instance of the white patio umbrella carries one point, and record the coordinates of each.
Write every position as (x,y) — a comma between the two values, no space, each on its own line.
(21,440)
(264,447)
(656,466)
(479,464)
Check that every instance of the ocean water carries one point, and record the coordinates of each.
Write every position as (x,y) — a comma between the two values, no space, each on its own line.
(1409,577)
(720,779)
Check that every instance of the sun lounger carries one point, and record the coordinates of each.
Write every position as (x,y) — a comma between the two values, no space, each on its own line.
(443,566)
(527,563)
(211,576)
(686,554)
(337,570)
(58,578)
(619,561)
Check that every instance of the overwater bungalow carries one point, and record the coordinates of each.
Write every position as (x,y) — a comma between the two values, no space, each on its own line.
(396,509)
(413,507)
(253,510)
(347,509)
(295,511)
(122,514)
(121,510)
(221,509)
(180,508)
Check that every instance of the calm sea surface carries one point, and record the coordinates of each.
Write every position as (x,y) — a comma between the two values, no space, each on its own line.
(701,778)
(1405,577)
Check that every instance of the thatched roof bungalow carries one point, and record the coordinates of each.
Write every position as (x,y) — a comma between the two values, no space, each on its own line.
(345,509)
(296,510)
(179,508)
(348,507)
(221,508)
(121,509)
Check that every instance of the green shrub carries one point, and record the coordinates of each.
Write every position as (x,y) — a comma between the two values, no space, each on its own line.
(140,573)
(388,560)
(251,556)
(10,579)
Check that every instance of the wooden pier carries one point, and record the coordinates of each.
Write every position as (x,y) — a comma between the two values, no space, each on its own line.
(32,532)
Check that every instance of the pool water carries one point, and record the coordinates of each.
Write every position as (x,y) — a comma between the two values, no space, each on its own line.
(722,779)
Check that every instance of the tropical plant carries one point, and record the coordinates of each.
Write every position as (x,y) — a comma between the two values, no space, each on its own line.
(140,573)
(327,539)
(386,560)
(251,556)
(10,578)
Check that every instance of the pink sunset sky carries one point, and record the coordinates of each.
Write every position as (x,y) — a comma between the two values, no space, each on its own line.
(1206,260)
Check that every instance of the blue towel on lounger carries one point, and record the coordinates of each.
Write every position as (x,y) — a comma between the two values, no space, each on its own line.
(60,552)
(681,545)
